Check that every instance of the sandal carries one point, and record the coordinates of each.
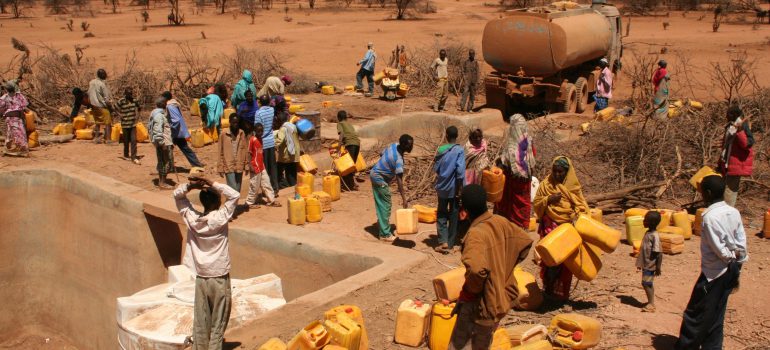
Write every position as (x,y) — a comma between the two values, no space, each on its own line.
(275,205)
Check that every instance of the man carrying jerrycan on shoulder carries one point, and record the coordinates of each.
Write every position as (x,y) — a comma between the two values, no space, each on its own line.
(492,248)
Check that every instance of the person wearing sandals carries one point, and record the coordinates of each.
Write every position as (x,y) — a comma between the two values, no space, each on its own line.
(259,182)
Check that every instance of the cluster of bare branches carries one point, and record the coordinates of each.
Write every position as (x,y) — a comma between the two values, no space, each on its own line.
(420,76)
(49,75)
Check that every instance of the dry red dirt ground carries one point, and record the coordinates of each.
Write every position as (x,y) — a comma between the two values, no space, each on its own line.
(326,43)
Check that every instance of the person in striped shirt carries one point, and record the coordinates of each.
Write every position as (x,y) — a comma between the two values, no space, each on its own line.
(389,167)
(266,116)
(128,108)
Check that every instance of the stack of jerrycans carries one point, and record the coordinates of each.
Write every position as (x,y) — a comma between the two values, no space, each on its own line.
(345,324)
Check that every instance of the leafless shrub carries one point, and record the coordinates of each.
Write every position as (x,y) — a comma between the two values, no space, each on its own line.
(419,74)
(736,78)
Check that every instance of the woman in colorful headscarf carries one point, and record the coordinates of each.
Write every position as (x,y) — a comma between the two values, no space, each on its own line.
(12,105)
(558,200)
(475,157)
(517,161)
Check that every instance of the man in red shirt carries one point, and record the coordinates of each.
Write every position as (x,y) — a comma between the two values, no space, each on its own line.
(659,74)
(259,182)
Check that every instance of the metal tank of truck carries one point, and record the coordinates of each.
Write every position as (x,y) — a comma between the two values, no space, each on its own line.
(549,56)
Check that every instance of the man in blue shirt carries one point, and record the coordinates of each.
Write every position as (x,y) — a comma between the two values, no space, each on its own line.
(450,176)
(366,70)
(723,252)
(179,132)
(390,166)
(265,116)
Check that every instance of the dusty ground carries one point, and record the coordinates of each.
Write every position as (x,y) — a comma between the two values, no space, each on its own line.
(326,43)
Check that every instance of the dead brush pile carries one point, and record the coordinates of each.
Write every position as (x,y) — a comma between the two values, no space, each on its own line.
(50,76)
(643,162)
(419,75)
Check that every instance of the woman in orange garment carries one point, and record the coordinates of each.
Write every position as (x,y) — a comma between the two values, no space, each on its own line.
(558,200)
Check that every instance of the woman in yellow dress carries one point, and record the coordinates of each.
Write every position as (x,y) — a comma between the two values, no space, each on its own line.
(558,200)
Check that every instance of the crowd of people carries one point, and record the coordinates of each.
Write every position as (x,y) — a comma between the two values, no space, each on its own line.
(262,142)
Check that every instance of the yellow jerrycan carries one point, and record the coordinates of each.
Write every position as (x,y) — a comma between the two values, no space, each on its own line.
(537,345)
(500,340)
(530,296)
(306,179)
(493,181)
(682,220)
(344,331)
(296,211)
(313,337)
(635,212)
(635,229)
(426,214)
(575,331)
(558,245)
(411,322)
(586,262)
(526,333)
(354,312)
(331,185)
(442,323)
(597,233)
(307,164)
(313,211)
(449,284)
(406,221)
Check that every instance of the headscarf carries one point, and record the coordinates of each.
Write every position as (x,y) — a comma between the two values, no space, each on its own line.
(273,86)
(239,91)
(518,153)
(572,201)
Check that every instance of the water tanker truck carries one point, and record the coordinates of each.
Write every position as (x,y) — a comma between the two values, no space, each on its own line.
(549,56)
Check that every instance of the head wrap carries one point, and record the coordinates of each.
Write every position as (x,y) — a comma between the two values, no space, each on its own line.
(517,153)
(286,80)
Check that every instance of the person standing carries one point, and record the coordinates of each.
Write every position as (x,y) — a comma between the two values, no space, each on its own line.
(660,100)
(517,161)
(390,166)
(737,157)
(366,70)
(441,74)
(100,97)
(475,157)
(603,86)
(492,249)
(659,74)
(558,200)
(470,82)
(212,108)
(179,132)
(289,151)
(723,252)
(650,257)
(349,140)
(265,116)
(449,166)
(160,135)
(247,110)
(207,254)
(259,182)
(241,87)
(12,105)
(234,152)
(128,109)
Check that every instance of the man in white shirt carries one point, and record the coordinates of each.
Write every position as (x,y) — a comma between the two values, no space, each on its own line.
(439,68)
(723,252)
(208,254)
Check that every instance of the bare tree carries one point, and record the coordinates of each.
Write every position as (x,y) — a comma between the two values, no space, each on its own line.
(17,6)
(115,4)
(223,3)
(56,7)
(175,18)
(401,7)
(736,78)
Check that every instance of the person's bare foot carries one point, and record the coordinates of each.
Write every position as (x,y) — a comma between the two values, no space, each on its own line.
(648,308)
(390,239)
(274,204)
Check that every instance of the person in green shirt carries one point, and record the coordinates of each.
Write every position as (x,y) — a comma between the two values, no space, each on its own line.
(348,139)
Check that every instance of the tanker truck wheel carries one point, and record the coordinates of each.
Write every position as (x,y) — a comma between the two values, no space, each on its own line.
(570,103)
(582,94)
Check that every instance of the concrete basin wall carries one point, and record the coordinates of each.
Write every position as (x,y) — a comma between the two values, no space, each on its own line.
(67,250)
(72,241)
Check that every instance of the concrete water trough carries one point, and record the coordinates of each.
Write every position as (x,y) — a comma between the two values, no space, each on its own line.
(72,241)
